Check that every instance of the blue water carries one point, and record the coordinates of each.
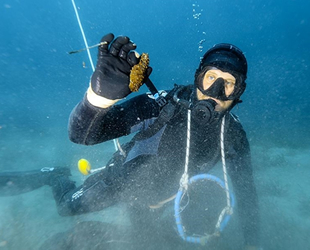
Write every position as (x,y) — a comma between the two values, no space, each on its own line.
(40,84)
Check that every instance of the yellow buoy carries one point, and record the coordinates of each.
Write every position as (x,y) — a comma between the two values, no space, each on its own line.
(84,166)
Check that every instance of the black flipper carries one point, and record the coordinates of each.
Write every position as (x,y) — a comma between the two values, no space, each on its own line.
(14,183)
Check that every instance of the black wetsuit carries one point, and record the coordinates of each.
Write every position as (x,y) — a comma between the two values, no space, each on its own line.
(154,162)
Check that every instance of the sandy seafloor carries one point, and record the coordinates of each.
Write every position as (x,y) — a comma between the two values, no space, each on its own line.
(29,220)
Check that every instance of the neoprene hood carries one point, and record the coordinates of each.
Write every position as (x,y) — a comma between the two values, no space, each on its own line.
(227,58)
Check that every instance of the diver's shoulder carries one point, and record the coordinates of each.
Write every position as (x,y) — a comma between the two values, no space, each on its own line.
(234,122)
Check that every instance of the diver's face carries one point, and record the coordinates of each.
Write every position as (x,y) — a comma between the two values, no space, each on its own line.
(209,78)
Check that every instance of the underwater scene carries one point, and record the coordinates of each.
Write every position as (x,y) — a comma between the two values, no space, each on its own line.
(45,71)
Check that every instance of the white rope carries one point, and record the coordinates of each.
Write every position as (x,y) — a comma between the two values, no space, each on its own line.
(117,146)
(184,178)
(228,208)
(224,163)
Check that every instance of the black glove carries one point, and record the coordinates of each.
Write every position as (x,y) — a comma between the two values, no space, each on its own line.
(115,60)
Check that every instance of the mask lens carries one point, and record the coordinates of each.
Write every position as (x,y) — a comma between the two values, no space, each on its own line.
(223,84)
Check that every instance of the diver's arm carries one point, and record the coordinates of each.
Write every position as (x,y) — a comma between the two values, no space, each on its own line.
(97,118)
(91,125)
(240,171)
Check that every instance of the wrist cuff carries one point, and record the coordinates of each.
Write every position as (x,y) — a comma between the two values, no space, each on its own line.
(99,101)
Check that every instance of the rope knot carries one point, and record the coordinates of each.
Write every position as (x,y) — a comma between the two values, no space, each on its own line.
(184,181)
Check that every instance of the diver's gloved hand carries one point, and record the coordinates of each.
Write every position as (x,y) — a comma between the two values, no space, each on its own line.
(110,81)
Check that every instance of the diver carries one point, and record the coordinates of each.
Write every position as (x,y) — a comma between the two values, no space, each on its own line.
(147,169)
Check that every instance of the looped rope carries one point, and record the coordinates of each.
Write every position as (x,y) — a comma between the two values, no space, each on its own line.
(228,210)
